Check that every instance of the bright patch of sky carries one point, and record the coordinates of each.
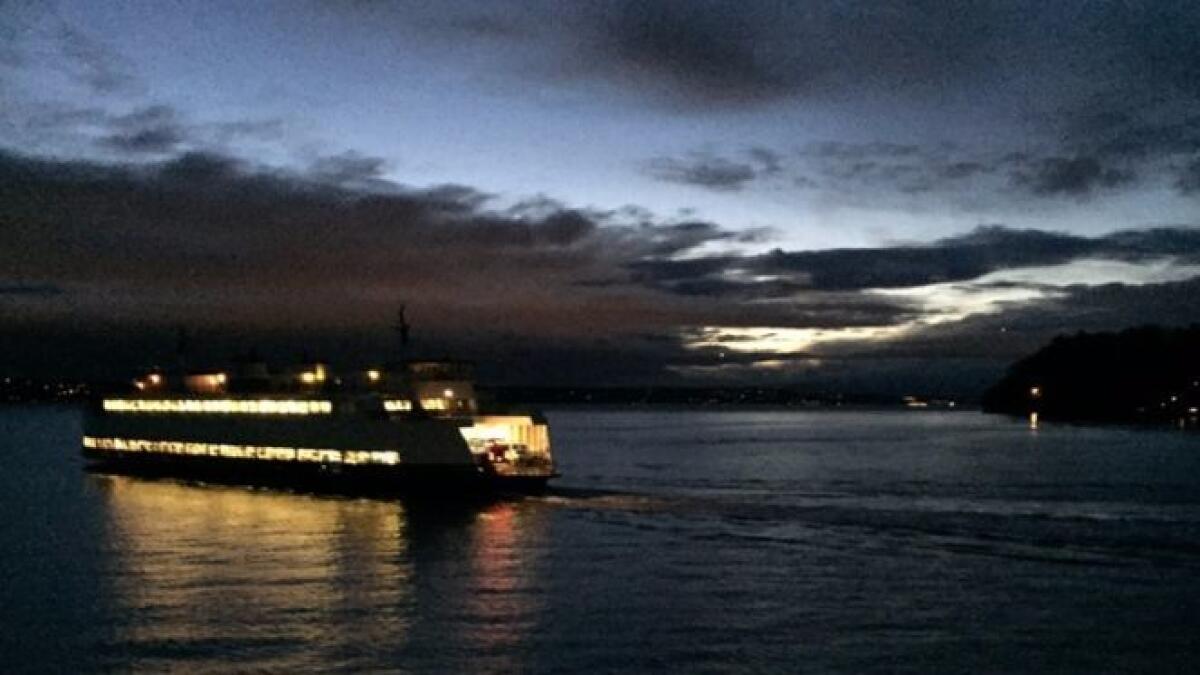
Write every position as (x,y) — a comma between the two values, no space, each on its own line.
(993,292)
(773,340)
(950,302)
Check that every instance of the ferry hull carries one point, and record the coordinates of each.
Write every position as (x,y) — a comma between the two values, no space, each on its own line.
(347,454)
(375,480)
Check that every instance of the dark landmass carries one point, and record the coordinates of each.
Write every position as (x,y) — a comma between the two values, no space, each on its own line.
(30,390)
(699,397)
(680,396)
(1147,374)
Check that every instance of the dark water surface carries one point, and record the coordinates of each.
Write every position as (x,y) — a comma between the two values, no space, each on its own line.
(683,541)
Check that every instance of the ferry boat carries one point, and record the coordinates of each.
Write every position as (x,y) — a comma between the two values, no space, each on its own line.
(411,426)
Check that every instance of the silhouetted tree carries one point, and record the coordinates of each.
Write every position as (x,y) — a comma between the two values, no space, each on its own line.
(1147,373)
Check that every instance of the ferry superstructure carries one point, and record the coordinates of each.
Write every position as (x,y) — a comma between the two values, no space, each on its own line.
(411,426)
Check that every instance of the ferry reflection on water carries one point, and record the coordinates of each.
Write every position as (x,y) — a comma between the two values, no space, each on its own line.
(278,582)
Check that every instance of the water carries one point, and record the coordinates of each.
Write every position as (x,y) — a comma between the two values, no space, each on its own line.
(684,541)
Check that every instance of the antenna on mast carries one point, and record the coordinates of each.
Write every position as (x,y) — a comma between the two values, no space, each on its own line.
(182,346)
(402,329)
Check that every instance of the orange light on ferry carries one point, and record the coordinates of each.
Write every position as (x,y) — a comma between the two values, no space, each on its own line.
(374,375)
(155,379)
(220,378)
(449,393)
(308,377)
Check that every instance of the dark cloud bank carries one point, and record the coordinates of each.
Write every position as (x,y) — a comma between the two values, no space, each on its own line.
(1136,159)
(706,52)
(1067,100)
(713,172)
(985,249)
(299,257)
(102,261)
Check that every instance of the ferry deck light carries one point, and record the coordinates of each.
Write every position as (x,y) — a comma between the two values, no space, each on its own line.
(220,406)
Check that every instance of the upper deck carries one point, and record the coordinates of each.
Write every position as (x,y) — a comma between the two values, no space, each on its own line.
(439,388)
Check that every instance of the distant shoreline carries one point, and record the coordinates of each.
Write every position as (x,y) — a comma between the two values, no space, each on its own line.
(31,391)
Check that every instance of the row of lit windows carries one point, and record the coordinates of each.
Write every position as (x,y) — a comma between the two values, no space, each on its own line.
(321,455)
(234,406)
(405,405)
(252,407)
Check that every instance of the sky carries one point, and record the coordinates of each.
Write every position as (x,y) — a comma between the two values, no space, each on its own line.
(853,196)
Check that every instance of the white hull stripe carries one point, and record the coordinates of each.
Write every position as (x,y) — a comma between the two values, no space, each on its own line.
(260,452)
(267,406)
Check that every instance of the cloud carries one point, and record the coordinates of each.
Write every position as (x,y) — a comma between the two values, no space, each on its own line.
(961,258)
(911,175)
(769,162)
(218,209)
(206,235)
(705,53)
(1188,180)
(737,54)
(1024,328)
(708,172)
(1080,100)
(301,260)
(949,169)
(984,250)
(33,30)
(303,257)
(27,290)
(963,356)
(1118,132)
(95,63)
(712,172)
(701,51)
(286,257)
(1070,176)
(138,133)
(348,169)
(154,130)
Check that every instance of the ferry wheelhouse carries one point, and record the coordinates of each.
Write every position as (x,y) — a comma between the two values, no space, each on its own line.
(416,425)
